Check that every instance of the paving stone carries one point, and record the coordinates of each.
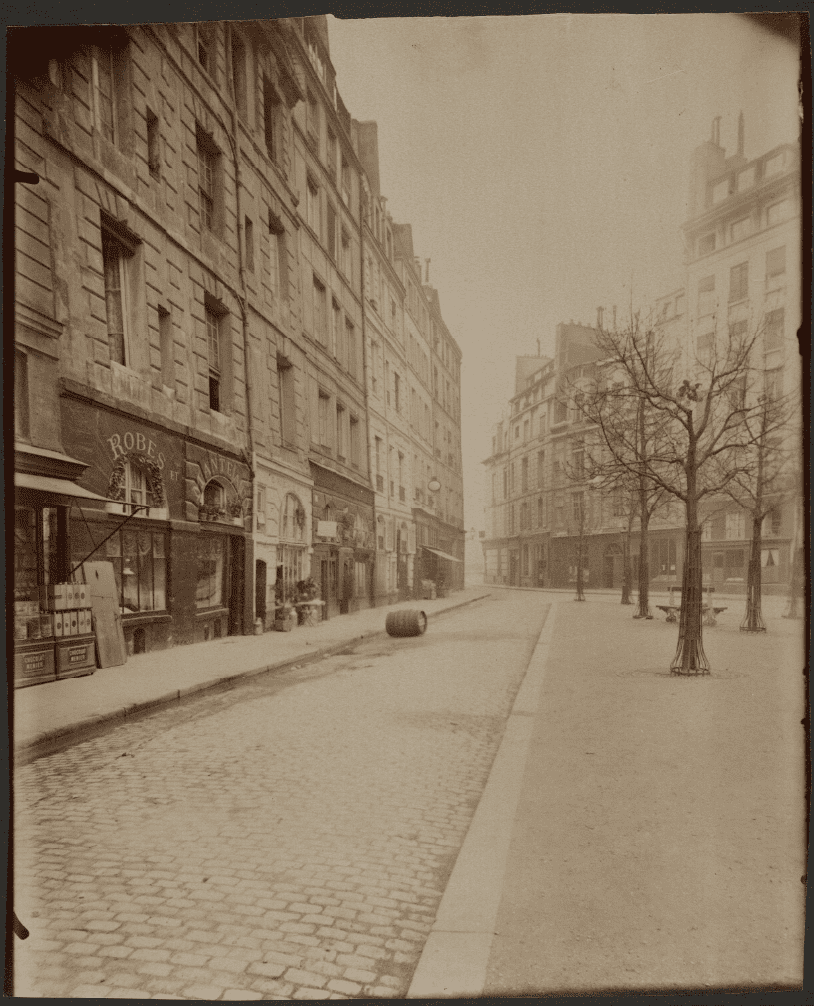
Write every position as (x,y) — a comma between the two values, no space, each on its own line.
(203,991)
(159,970)
(241,994)
(299,977)
(306,993)
(89,992)
(357,975)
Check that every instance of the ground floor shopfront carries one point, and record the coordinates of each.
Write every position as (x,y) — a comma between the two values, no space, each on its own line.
(175,528)
(343,542)
(282,516)
(440,549)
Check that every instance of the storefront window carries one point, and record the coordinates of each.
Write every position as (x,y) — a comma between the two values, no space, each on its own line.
(209,592)
(140,568)
(361,579)
(25,552)
(35,549)
(291,567)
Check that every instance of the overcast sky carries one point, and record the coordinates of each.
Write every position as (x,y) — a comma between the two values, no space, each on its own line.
(543,163)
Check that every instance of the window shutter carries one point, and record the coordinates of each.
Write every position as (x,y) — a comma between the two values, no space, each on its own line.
(411,539)
(390,534)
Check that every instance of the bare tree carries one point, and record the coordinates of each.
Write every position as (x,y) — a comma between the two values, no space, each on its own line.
(763,480)
(696,443)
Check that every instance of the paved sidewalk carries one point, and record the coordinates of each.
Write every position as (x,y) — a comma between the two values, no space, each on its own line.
(52,715)
(638,831)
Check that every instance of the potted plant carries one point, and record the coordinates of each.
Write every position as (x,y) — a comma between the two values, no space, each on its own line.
(307,590)
(285,615)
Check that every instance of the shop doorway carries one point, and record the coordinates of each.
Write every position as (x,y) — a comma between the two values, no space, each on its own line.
(236,587)
(260,591)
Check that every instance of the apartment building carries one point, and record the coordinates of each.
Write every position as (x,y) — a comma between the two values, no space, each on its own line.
(191,295)
(742,271)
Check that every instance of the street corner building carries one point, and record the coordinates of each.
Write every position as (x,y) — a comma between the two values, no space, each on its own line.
(742,244)
(229,376)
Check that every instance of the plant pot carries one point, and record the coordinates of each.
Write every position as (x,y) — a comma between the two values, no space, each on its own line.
(285,622)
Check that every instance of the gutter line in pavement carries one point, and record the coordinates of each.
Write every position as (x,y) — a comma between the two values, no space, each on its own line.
(456,955)
(54,741)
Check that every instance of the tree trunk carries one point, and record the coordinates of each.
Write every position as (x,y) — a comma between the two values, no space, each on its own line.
(753,619)
(643,606)
(580,583)
(626,565)
(689,656)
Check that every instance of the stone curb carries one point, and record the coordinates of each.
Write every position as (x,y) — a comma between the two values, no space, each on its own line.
(54,741)
(455,958)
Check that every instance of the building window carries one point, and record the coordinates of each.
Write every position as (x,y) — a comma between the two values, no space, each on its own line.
(248,242)
(704,347)
(735,525)
(272,121)
(560,412)
(239,73)
(21,414)
(324,403)
(165,337)
(577,508)
(260,507)
(115,258)
(153,145)
(278,261)
(706,296)
(773,334)
(350,344)
(706,244)
(396,392)
(739,282)
(333,232)
(332,165)
(344,254)
(103,70)
(355,442)
(312,206)
(578,460)
(774,165)
(778,212)
(210,589)
(341,443)
(292,525)
(207,165)
(773,383)
(337,346)
(720,191)
(345,184)
(214,358)
(286,393)
(524,475)
(740,228)
(140,569)
(320,311)
(775,263)
(205,46)
(312,118)
(540,466)
(772,522)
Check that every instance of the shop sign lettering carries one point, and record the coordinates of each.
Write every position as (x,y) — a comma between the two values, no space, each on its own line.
(121,444)
(213,464)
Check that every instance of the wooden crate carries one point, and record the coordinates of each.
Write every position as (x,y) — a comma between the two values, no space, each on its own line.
(75,656)
(34,662)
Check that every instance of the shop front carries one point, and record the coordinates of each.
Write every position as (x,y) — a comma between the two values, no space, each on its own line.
(45,492)
(172,527)
(342,563)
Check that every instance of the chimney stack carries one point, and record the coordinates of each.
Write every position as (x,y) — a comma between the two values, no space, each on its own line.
(614,317)
(716,130)
(599,313)
(740,135)
(428,260)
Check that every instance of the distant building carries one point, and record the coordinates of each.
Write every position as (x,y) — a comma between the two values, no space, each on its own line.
(742,269)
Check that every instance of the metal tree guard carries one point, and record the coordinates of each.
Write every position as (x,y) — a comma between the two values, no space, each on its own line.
(690,658)
(753,619)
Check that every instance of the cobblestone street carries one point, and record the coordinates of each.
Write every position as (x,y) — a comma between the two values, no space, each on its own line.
(288,839)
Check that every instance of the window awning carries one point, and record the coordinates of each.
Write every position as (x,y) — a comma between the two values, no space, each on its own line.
(442,555)
(61,487)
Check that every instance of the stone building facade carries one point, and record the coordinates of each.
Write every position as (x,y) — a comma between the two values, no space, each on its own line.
(190,365)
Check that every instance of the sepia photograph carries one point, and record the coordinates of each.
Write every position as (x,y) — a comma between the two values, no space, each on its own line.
(410,541)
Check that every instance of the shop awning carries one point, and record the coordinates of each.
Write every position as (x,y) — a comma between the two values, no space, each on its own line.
(440,554)
(62,487)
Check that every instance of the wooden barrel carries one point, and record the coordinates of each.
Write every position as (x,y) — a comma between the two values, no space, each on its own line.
(409,622)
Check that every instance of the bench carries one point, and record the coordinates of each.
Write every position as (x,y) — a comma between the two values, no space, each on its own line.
(707,610)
